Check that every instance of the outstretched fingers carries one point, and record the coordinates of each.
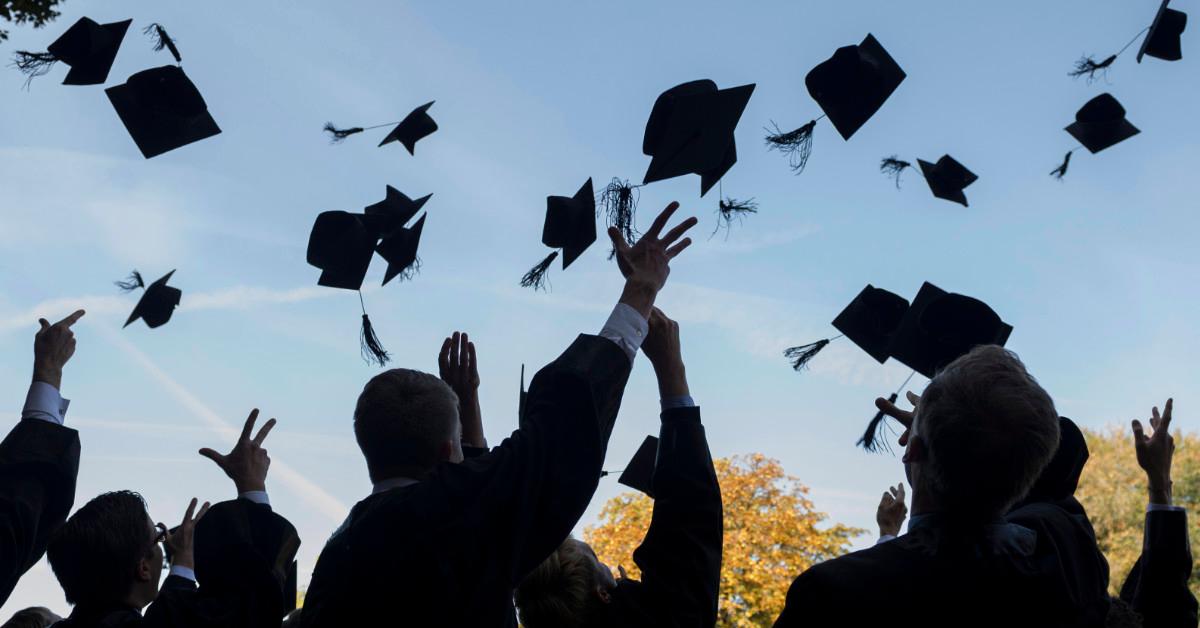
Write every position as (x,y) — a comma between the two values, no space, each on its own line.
(249,426)
(71,319)
(679,230)
(678,248)
(262,433)
(661,220)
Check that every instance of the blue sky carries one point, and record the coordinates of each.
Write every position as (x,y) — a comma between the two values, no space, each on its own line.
(1096,273)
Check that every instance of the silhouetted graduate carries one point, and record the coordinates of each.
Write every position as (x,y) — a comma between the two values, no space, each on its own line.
(87,47)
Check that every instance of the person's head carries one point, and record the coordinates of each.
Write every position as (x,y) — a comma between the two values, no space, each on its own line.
(406,422)
(568,589)
(32,617)
(982,433)
(108,552)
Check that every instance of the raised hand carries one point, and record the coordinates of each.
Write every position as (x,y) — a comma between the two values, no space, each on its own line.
(248,462)
(646,264)
(905,417)
(179,543)
(53,347)
(1154,452)
(892,511)
(459,368)
(662,349)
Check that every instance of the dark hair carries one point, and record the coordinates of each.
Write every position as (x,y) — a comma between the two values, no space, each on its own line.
(32,617)
(95,553)
(401,417)
(559,592)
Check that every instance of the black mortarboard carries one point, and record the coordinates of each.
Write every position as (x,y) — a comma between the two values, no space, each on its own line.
(639,473)
(947,178)
(393,212)
(158,302)
(522,422)
(413,127)
(400,250)
(571,223)
(690,131)
(162,110)
(1163,39)
(871,319)
(1101,123)
(939,327)
(341,246)
(854,83)
(89,48)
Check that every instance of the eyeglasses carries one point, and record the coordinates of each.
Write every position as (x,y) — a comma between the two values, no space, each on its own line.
(162,533)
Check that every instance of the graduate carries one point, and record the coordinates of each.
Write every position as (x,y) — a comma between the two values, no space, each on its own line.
(680,557)
(446,535)
(39,459)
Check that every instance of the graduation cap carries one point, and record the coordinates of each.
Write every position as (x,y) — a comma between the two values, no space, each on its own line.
(639,473)
(237,539)
(89,48)
(947,178)
(415,126)
(571,226)
(1163,39)
(1098,125)
(158,300)
(869,322)
(522,422)
(939,327)
(162,110)
(690,131)
(850,87)
(342,244)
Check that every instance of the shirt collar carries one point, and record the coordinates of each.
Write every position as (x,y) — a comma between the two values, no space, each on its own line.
(391,483)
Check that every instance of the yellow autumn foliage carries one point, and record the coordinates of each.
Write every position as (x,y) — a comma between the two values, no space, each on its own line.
(772,533)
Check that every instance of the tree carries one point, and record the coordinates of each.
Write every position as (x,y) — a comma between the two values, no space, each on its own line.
(1113,489)
(771,535)
(35,12)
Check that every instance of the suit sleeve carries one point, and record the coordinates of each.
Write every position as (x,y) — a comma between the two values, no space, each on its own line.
(39,462)
(680,557)
(1157,587)
(525,495)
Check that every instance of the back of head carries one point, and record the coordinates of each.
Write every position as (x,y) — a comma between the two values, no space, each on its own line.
(32,617)
(95,554)
(990,429)
(559,592)
(402,418)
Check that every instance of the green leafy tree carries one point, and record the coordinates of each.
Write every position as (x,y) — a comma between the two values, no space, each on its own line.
(35,12)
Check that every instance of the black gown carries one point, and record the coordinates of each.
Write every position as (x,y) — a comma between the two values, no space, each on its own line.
(680,557)
(449,550)
(1157,586)
(243,551)
(38,464)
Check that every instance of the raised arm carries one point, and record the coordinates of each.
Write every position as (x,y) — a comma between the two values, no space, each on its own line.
(39,459)
(1157,586)
(459,368)
(680,557)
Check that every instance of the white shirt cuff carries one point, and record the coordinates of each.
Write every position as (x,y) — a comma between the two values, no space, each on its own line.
(626,327)
(884,538)
(45,404)
(258,497)
(183,572)
(670,403)
(1163,507)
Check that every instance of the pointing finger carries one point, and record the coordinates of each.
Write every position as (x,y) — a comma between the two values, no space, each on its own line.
(661,220)
(187,516)
(262,433)
(70,320)
(249,426)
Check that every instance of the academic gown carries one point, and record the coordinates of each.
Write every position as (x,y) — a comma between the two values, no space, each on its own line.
(680,557)
(1157,586)
(38,464)
(242,551)
(449,550)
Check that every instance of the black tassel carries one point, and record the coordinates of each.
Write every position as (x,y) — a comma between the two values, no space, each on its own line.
(33,64)
(797,145)
(131,283)
(411,271)
(894,167)
(1088,66)
(730,210)
(801,355)
(1061,171)
(620,205)
(372,350)
(162,40)
(337,135)
(870,440)
(536,277)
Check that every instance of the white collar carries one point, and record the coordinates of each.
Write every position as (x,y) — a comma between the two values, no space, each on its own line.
(391,483)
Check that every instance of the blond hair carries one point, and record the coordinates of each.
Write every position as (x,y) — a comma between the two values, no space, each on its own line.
(560,591)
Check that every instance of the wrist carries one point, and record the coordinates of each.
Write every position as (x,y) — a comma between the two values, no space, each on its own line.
(1160,493)
(639,295)
(48,374)
(250,485)
(184,559)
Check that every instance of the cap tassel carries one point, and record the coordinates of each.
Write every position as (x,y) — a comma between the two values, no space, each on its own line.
(1089,67)
(337,135)
(1061,171)
(870,440)
(131,283)
(620,205)
(730,210)
(162,40)
(536,277)
(372,349)
(33,64)
(797,145)
(800,356)
(893,167)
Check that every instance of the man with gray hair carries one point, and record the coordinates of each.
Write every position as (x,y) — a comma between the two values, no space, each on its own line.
(975,442)
(445,535)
